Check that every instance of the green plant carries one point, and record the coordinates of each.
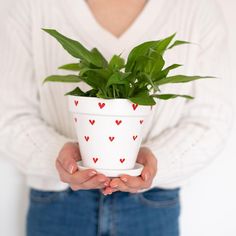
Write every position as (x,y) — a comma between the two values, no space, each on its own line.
(138,79)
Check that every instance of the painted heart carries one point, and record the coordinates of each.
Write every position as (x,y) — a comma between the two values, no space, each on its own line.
(122,160)
(95,159)
(111,138)
(141,121)
(101,105)
(118,122)
(86,138)
(76,102)
(75,119)
(134,106)
(92,122)
(134,137)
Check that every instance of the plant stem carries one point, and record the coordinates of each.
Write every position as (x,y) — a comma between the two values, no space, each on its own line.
(113,89)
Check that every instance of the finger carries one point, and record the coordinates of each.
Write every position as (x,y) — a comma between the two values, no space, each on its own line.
(119,185)
(101,186)
(135,182)
(77,178)
(108,190)
(149,161)
(145,156)
(68,156)
(148,173)
(97,182)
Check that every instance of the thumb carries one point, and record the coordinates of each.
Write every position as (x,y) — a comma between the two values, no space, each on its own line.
(68,157)
(148,159)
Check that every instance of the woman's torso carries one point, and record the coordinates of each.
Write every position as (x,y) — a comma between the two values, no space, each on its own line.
(159,18)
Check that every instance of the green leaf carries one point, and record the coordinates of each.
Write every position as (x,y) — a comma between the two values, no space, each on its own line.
(142,63)
(63,78)
(100,94)
(84,70)
(116,78)
(164,43)
(76,92)
(157,64)
(142,97)
(180,79)
(145,48)
(96,53)
(150,81)
(91,93)
(143,100)
(96,81)
(75,48)
(72,67)
(135,79)
(103,73)
(177,43)
(166,71)
(171,67)
(117,62)
(140,50)
(170,96)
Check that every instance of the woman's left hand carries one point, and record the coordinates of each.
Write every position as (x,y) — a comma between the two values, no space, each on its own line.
(132,184)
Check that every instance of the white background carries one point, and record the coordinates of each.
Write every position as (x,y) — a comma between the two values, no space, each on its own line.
(208,201)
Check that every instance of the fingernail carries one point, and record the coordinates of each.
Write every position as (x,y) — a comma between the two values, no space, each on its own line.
(71,169)
(92,173)
(146,176)
(115,186)
(101,180)
(124,179)
(106,184)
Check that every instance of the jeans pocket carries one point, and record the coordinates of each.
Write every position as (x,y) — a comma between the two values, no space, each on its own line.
(47,196)
(159,198)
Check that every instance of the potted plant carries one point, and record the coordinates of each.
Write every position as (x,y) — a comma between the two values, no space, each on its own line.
(109,117)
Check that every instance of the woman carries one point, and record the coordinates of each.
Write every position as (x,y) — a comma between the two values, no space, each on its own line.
(182,136)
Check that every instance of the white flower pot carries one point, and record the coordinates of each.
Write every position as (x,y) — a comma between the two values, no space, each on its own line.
(109,133)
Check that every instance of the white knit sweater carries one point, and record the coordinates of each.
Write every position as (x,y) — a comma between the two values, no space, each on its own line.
(35,121)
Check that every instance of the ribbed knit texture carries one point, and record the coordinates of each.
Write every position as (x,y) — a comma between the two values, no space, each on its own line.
(35,122)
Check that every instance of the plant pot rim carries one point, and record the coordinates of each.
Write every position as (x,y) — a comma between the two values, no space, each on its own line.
(101,106)
(135,171)
(106,99)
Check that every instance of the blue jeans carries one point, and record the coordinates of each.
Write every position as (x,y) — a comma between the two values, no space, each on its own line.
(89,213)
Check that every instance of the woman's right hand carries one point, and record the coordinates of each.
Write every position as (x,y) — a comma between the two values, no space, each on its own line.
(66,165)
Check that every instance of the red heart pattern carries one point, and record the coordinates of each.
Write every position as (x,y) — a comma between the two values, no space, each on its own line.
(118,122)
(76,102)
(134,106)
(101,105)
(92,122)
(111,138)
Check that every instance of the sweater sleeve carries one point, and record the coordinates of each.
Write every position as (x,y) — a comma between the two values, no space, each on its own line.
(202,130)
(24,136)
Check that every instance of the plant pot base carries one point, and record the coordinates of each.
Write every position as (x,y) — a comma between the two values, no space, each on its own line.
(136,171)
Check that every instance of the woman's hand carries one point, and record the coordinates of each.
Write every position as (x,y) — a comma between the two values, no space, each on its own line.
(69,173)
(132,184)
